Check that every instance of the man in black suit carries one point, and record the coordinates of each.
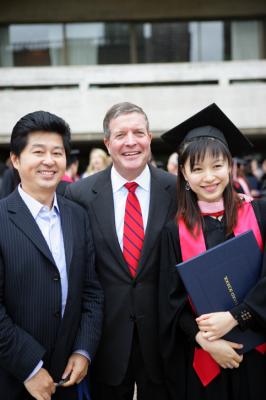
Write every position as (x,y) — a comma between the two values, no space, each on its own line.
(129,350)
(50,296)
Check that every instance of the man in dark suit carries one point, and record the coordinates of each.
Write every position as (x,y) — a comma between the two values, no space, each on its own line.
(50,297)
(126,223)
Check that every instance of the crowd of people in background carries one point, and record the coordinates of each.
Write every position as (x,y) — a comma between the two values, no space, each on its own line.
(91,299)
(249,173)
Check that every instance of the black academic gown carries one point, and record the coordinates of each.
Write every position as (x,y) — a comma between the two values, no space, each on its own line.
(178,327)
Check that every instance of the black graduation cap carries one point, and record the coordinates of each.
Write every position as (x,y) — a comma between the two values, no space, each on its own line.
(209,122)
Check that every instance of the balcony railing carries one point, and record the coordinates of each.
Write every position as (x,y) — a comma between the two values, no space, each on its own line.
(168,93)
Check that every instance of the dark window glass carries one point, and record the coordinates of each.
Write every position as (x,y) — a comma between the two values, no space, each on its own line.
(124,43)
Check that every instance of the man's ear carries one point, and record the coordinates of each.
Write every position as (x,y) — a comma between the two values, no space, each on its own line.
(106,142)
(15,160)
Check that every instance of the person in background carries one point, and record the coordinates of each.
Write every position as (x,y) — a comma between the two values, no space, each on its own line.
(240,182)
(256,168)
(50,297)
(98,161)
(263,178)
(172,163)
(251,172)
(128,204)
(209,212)
(71,173)
(3,168)
(152,160)
(10,180)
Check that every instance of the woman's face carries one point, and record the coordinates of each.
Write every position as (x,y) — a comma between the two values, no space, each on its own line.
(208,178)
(97,162)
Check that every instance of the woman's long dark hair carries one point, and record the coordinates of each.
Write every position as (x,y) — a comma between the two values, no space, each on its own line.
(195,151)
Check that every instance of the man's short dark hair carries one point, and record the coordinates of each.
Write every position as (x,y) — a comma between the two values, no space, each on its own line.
(38,121)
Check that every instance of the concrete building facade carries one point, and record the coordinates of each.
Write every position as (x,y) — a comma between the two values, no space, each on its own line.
(172,58)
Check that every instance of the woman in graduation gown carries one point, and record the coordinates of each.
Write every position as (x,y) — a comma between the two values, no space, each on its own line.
(198,363)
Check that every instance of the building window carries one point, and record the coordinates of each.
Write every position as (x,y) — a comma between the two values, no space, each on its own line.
(247,40)
(206,41)
(124,43)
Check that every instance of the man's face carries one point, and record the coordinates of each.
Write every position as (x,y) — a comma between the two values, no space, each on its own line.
(129,144)
(41,164)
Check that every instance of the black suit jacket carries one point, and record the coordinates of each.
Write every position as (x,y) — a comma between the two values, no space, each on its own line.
(127,300)
(31,327)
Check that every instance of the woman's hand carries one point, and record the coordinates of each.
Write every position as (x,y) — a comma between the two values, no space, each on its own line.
(222,351)
(215,325)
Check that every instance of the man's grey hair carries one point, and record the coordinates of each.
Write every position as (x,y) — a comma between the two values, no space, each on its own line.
(121,109)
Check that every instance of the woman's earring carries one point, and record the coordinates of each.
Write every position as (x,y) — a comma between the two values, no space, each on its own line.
(187,187)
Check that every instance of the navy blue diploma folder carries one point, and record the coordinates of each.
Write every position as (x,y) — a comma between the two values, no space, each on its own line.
(219,279)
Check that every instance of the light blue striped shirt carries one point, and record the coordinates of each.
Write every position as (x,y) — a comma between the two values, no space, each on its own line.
(49,223)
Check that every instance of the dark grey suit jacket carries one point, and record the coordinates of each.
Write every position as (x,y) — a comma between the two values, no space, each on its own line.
(127,301)
(31,327)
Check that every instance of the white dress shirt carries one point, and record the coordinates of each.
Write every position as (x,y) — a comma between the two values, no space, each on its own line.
(120,196)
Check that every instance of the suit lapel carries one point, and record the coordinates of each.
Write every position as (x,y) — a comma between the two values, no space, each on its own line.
(22,218)
(67,230)
(160,201)
(103,209)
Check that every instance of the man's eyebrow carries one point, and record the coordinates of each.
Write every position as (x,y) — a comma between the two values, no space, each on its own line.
(43,145)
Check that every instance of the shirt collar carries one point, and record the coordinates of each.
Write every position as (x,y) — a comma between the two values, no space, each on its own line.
(143,180)
(34,205)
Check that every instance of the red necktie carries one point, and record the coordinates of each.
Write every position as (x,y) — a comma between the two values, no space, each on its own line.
(133,230)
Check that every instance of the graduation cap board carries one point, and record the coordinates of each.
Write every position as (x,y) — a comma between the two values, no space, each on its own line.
(209,122)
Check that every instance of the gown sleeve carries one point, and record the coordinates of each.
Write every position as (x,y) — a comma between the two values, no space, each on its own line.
(175,312)
(172,303)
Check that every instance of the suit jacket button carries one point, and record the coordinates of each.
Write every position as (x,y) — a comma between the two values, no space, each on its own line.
(57,314)
(133,318)
(56,278)
(134,284)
